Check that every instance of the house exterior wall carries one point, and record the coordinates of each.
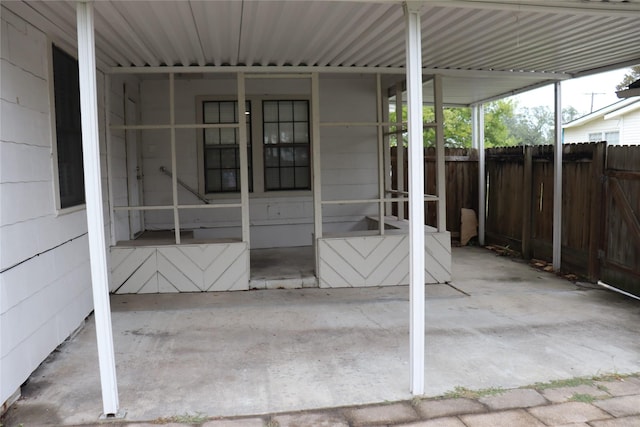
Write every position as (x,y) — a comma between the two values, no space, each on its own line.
(630,134)
(45,283)
(581,133)
(348,158)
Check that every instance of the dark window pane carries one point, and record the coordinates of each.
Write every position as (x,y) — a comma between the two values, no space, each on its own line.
(286,132)
(301,111)
(213,159)
(302,176)
(287,178)
(271,157)
(285,111)
(228,158)
(68,129)
(286,156)
(214,184)
(301,132)
(301,156)
(230,180)
(272,178)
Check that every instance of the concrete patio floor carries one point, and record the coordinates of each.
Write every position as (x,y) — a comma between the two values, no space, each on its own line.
(501,323)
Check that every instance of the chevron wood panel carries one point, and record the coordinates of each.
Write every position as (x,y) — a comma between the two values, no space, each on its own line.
(184,268)
(380,260)
(133,269)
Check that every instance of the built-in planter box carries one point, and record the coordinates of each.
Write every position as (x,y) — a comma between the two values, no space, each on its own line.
(349,260)
(202,267)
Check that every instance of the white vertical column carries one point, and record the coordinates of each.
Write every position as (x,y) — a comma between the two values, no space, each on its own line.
(482,181)
(380,130)
(315,156)
(95,214)
(174,161)
(557,181)
(440,163)
(107,123)
(244,158)
(399,150)
(416,196)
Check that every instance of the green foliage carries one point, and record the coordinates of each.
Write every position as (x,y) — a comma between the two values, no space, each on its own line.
(463,392)
(584,398)
(630,77)
(504,125)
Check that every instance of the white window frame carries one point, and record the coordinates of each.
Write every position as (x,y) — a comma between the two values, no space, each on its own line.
(54,139)
(257,144)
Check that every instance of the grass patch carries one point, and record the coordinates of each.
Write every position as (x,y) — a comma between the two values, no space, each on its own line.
(584,398)
(272,423)
(463,392)
(185,418)
(571,382)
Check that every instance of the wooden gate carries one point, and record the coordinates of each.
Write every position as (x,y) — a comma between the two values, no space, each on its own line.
(620,257)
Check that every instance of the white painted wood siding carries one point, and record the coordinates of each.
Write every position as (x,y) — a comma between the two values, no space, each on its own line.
(355,261)
(180,268)
(45,282)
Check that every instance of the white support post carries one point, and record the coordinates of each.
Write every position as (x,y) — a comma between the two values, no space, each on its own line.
(440,163)
(557,182)
(399,150)
(95,214)
(380,130)
(244,159)
(416,196)
(482,182)
(174,161)
(315,170)
(107,131)
(474,126)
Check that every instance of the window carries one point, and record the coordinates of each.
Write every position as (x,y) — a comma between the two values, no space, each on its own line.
(68,142)
(612,138)
(286,145)
(595,137)
(221,147)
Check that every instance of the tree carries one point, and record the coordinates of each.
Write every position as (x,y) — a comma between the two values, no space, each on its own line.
(497,116)
(569,114)
(630,77)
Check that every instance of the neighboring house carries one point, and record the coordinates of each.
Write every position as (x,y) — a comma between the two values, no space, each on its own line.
(618,124)
(183,87)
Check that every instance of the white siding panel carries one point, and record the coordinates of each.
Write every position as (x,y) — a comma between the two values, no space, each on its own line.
(23,45)
(631,131)
(24,163)
(23,125)
(23,88)
(24,201)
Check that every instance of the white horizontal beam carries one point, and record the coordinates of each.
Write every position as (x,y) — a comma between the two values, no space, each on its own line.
(170,207)
(182,126)
(298,71)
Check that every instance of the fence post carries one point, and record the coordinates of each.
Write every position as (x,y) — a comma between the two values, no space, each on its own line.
(527,183)
(597,217)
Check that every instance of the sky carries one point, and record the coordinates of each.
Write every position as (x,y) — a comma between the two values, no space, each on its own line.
(578,92)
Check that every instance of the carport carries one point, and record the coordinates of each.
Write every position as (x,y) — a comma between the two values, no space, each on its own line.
(469,52)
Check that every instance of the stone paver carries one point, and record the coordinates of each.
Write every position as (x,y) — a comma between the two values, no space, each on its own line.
(245,422)
(574,425)
(319,419)
(448,407)
(563,394)
(623,387)
(513,418)
(570,412)
(436,422)
(394,413)
(511,399)
(621,406)
(618,422)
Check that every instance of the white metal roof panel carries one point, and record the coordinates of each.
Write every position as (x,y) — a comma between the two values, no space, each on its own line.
(485,48)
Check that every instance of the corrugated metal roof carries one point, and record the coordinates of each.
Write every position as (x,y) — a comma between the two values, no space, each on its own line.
(484,48)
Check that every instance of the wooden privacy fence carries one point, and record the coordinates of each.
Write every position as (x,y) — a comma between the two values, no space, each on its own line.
(620,254)
(461,173)
(520,202)
(600,204)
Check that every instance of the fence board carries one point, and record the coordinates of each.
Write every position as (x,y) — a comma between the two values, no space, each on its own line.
(461,175)
(621,248)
